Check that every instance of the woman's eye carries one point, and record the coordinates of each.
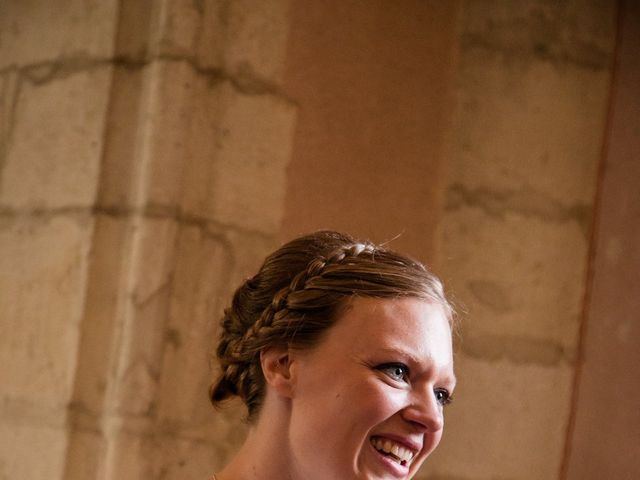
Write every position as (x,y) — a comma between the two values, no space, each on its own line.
(443,397)
(396,371)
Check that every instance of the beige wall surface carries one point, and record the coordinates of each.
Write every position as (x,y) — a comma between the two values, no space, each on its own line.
(142,170)
(153,151)
(605,439)
(373,85)
(54,95)
(532,89)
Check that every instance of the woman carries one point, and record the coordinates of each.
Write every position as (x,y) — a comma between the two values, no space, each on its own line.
(341,351)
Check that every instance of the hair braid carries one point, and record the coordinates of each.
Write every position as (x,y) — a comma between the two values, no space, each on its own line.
(278,308)
(297,295)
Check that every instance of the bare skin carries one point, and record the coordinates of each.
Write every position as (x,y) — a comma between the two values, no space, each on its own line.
(383,373)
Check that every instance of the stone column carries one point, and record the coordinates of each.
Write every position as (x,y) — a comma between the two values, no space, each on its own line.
(182,136)
(533,86)
(55,74)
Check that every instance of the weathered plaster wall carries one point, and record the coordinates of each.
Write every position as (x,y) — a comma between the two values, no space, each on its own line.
(533,84)
(142,171)
(605,439)
(151,155)
(54,85)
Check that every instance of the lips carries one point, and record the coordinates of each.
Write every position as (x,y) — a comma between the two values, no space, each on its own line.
(396,451)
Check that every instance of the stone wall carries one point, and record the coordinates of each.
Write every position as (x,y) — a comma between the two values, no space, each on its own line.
(144,147)
(533,85)
(153,151)
(55,77)
(604,438)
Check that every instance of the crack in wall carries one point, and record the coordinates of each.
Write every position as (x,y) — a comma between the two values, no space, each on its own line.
(9,216)
(245,80)
(586,56)
(560,33)
(523,202)
(210,228)
(45,72)
(162,290)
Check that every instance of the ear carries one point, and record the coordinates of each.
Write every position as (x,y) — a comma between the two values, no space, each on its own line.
(277,369)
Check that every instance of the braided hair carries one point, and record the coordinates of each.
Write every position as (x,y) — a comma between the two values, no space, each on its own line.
(298,294)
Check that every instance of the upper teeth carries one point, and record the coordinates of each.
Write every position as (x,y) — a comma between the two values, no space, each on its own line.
(395,449)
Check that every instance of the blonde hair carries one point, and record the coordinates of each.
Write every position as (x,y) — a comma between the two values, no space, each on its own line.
(298,294)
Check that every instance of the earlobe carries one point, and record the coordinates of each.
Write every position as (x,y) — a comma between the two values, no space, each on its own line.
(276,365)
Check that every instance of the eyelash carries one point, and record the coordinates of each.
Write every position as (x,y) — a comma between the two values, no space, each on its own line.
(389,367)
(443,396)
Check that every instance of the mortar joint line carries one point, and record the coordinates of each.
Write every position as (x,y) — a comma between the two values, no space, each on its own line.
(243,81)
(211,227)
(600,62)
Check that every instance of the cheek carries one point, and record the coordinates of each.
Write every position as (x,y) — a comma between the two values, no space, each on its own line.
(379,401)
(354,406)
(431,441)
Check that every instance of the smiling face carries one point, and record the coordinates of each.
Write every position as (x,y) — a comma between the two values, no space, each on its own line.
(367,401)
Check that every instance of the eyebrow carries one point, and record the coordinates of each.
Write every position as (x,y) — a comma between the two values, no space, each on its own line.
(415,360)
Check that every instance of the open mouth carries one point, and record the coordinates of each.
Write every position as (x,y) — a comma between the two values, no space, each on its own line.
(396,452)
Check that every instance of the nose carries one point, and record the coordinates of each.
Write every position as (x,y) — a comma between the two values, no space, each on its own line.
(425,412)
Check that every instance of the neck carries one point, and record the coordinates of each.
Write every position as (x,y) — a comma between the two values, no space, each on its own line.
(265,452)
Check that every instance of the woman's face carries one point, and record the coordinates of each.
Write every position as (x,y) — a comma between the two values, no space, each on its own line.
(367,401)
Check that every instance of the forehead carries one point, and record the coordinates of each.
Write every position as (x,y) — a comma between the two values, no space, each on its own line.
(418,328)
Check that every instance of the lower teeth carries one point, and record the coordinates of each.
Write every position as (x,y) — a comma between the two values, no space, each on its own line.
(393,457)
